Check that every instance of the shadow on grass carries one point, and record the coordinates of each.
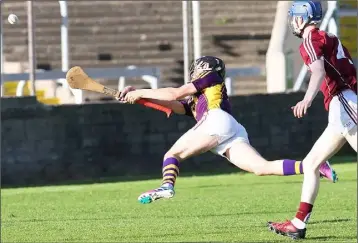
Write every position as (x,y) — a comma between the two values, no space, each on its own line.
(131,217)
(222,170)
(329,238)
(127,178)
(330,221)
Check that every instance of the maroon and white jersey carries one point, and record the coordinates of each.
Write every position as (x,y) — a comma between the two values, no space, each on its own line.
(340,70)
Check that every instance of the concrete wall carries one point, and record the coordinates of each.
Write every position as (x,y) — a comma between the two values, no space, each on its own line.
(45,144)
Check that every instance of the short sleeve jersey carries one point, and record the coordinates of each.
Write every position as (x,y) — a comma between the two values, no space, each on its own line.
(340,70)
(211,94)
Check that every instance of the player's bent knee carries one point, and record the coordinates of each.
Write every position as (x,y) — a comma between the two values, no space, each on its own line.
(170,154)
(311,163)
(180,156)
(314,158)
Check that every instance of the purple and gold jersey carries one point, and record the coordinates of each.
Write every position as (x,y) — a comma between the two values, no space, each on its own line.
(211,94)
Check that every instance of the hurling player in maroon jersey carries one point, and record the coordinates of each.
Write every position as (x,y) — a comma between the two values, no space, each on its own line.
(332,72)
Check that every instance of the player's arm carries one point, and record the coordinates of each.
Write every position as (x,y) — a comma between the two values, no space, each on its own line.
(170,94)
(314,58)
(178,107)
(168,97)
(317,76)
(312,54)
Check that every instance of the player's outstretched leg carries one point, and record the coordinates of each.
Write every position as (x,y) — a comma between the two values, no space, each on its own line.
(244,156)
(293,167)
(166,190)
(321,151)
(192,143)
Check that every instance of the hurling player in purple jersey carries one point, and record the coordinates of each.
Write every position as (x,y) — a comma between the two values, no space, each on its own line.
(205,99)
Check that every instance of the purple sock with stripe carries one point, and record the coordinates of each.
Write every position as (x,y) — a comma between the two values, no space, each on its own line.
(292,167)
(170,171)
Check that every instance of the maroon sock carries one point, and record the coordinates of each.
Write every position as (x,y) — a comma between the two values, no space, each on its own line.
(304,212)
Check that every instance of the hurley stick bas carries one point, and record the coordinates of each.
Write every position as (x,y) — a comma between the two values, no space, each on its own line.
(78,79)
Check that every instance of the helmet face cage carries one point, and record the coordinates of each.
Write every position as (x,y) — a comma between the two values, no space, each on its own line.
(303,13)
(204,65)
(297,23)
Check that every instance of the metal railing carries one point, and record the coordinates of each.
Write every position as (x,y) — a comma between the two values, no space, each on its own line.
(239,72)
(150,75)
(64,44)
(64,37)
(147,74)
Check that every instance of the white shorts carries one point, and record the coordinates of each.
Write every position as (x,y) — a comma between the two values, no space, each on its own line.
(217,122)
(342,115)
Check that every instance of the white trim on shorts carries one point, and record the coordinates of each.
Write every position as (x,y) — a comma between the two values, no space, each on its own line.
(342,115)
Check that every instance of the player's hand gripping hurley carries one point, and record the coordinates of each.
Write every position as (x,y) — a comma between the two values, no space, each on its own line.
(78,79)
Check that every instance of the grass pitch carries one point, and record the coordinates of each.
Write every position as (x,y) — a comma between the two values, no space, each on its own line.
(223,208)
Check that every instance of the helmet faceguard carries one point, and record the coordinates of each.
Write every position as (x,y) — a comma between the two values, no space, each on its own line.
(205,65)
(302,14)
(297,24)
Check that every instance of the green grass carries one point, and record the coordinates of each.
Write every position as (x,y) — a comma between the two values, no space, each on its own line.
(223,208)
